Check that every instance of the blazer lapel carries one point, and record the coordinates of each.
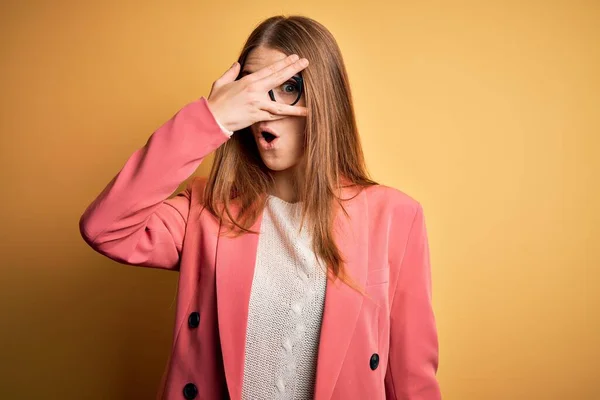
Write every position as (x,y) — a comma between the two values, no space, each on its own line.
(342,303)
(236,258)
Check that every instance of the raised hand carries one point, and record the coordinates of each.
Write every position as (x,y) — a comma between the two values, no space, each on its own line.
(237,104)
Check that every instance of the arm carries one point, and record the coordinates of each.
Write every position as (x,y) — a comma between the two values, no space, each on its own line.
(132,220)
(413,359)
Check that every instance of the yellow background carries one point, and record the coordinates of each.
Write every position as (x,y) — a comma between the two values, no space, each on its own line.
(487,112)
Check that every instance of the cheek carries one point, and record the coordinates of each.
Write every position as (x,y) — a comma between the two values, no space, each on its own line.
(293,129)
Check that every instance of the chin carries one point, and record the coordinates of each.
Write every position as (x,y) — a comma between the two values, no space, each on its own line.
(278,166)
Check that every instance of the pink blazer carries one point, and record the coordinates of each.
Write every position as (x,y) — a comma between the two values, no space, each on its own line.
(383,346)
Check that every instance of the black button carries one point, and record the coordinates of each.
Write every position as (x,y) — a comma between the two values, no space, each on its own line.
(190,391)
(374,362)
(194,319)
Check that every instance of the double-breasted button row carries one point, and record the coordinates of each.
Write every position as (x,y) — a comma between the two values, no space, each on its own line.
(190,391)
(374,361)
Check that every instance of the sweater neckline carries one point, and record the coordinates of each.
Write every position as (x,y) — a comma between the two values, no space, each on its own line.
(281,201)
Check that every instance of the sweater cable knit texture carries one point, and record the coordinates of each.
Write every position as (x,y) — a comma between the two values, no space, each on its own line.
(285,310)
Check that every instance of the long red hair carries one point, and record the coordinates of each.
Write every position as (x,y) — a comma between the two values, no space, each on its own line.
(333,154)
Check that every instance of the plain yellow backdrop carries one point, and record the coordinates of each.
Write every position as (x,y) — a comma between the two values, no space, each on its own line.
(485,111)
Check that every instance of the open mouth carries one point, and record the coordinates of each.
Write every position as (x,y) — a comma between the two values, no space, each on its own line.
(269,137)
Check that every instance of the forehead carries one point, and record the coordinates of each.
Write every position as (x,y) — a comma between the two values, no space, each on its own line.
(261,57)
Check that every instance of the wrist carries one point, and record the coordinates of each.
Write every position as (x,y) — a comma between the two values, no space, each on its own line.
(217,118)
(225,130)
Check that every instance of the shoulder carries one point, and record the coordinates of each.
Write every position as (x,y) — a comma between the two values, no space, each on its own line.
(391,201)
(394,217)
(391,211)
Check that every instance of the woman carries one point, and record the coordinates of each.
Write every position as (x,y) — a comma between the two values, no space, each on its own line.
(299,276)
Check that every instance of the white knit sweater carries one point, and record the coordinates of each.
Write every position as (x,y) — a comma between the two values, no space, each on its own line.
(285,310)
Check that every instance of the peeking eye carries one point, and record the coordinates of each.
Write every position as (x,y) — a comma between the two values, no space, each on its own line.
(290,87)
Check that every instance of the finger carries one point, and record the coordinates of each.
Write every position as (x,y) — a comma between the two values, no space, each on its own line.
(230,74)
(267,116)
(270,69)
(284,109)
(281,76)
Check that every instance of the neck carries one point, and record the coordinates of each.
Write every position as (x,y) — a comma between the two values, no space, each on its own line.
(285,185)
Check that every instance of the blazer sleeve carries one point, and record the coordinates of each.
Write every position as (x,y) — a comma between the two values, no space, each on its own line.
(133,220)
(413,357)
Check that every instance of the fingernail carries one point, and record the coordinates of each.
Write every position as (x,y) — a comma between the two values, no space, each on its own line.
(234,64)
(295,57)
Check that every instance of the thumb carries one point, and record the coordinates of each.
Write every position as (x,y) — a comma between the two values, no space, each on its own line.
(231,73)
